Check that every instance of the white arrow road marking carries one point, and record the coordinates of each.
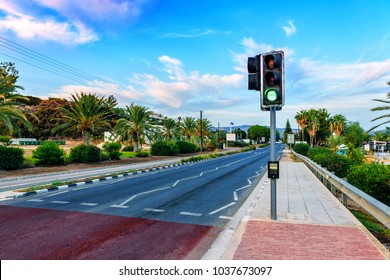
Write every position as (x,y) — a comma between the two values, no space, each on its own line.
(222,208)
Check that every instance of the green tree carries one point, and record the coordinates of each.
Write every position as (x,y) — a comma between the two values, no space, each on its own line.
(170,127)
(188,127)
(337,124)
(354,135)
(240,134)
(256,132)
(11,109)
(87,114)
(335,141)
(134,125)
(301,117)
(382,108)
(287,130)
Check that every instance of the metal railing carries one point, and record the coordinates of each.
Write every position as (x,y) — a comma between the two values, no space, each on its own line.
(377,209)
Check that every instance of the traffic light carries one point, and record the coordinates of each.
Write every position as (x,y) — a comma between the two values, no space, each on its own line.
(272,80)
(254,82)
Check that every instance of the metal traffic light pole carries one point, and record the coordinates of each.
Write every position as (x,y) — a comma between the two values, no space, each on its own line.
(266,74)
(273,158)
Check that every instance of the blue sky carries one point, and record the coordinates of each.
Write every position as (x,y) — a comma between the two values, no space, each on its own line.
(180,57)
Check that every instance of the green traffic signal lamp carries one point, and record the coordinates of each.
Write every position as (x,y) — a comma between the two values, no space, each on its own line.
(271,96)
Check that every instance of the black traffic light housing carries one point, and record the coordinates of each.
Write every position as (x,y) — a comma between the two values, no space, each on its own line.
(272,80)
(254,68)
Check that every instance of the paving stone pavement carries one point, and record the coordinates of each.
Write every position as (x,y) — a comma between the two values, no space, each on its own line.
(311,224)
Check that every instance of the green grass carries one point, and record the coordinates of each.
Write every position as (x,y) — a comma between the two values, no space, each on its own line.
(128,154)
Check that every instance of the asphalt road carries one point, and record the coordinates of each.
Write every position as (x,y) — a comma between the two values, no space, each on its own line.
(173,213)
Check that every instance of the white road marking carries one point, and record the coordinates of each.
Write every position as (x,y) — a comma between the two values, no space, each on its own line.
(119,206)
(235,196)
(222,208)
(190,214)
(89,204)
(154,210)
(225,217)
(35,200)
(57,193)
(60,202)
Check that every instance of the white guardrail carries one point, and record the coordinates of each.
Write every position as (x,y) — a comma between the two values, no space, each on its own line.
(377,209)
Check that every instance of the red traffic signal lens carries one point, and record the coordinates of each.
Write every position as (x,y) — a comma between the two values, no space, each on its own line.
(271,78)
(271,62)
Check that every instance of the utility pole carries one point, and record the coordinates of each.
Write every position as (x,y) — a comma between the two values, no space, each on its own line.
(201,132)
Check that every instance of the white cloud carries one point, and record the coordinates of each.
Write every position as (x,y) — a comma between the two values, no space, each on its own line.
(290,29)
(29,28)
(94,8)
(184,89)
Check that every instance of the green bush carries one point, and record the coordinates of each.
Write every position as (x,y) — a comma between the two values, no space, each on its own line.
(142,154)
(85,154)
(373,179)
(11,158)
(49,153)
(164,148)
(325,157)
(128,148)
(186,147)
(301,148)
(112,149)
(5,140)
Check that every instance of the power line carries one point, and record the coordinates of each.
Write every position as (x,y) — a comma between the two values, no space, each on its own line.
(56,67)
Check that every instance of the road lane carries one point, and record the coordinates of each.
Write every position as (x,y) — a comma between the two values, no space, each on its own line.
(202,197)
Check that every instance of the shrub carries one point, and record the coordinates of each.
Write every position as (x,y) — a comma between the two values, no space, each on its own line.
(373,179)
(49,153)
(142,154)
(5,140)
(338,164)
(128,148)
(85,154)
(11,158)
(164,148)
(186,147)
(112,149)
(301,148)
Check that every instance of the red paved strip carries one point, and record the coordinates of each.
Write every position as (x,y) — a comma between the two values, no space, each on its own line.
(39,234)
(281,241)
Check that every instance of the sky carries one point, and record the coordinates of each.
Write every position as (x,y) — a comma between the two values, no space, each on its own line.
(181,57)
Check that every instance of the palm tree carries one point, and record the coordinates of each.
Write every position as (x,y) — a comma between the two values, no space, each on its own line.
(170,127)
(188,127)
(301,118)
(337,124)
(382,108)
(11,111)
(312,124)
(335,141)
(134,125)
(87,114)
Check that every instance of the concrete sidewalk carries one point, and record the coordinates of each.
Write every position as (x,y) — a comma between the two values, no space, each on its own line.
(311,223)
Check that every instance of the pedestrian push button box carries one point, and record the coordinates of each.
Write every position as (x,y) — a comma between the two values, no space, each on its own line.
(273,169)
